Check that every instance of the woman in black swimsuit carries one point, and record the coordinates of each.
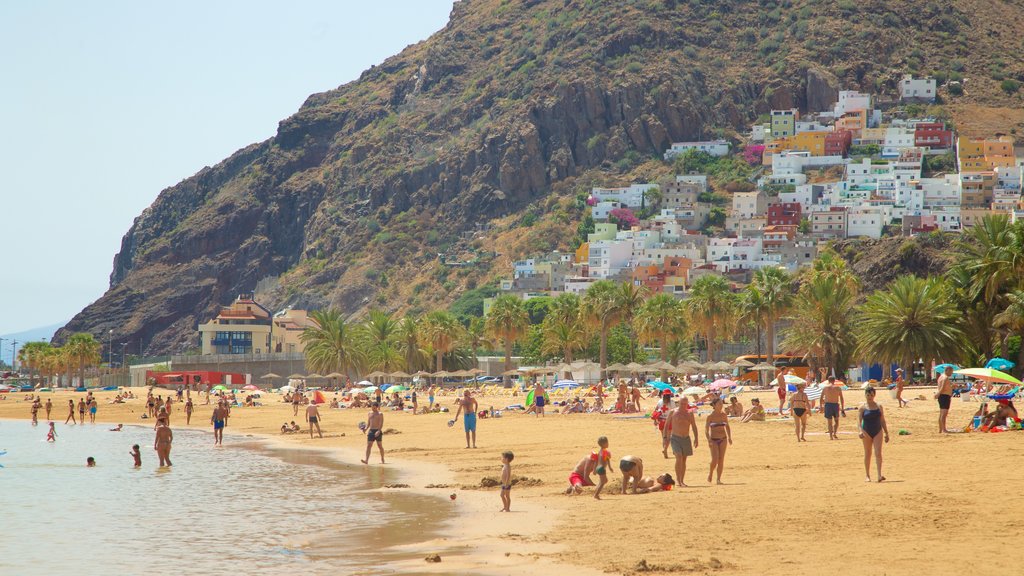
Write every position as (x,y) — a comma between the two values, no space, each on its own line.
(719,435)
(799,405)
(871,419)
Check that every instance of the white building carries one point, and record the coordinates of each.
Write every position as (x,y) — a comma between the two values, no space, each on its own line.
(865,221)
(602,210)
(630,196)
(806,195)
(609,257)
(712,147)
(749,204)
(917,89)
(897,140)
(759,132)
(851,101)
(811,126)
(941,192)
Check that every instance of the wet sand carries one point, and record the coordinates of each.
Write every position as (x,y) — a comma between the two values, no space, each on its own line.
(785,508)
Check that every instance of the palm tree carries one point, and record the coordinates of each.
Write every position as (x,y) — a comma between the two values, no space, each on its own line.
(379,340)
(913,318)
(601,309)
(31,356)
(660,320)
(823,314)
(1012,318)
(775,288)
(630,298)
(978,315)
(712,310)
(331,344)
(477,336)
(408,336)
(84,349)
(443,331)
(507,321)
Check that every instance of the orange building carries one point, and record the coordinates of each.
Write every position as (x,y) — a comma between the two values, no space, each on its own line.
(985,154)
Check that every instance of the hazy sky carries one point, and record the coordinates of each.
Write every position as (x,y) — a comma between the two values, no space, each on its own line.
(104,104)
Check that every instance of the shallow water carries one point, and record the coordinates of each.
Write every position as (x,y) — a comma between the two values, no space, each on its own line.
(242,508)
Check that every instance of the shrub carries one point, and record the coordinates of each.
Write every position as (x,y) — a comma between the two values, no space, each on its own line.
(1010,86)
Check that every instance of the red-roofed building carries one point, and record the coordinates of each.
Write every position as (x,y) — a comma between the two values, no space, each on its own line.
(838,143)
(933,135)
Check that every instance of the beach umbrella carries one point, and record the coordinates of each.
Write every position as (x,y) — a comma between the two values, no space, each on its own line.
(250,387)
(763,367)
(365,383)
(269,376)
(220,387)
(314,375)
(422,374)
(334,375)
(285,389)
(722,383)
(510,373)
(989,375)
(794,379)
(694,390)
(998,363)
(561,384)
(741,363)
(441,374)
(635,367)
(942,367)
(296,377)
(377,374)
(721,365)
(399,374)
(369,390)
(661,365)
(616,367)
(395,388)
(658,385)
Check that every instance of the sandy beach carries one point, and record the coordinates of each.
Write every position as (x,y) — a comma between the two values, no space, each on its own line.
(949,504)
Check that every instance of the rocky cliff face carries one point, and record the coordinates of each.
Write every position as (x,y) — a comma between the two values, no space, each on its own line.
(511,105)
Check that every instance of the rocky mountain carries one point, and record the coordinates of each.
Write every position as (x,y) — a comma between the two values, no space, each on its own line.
(476,142)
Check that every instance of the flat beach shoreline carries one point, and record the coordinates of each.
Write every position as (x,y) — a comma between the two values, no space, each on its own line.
(785,508)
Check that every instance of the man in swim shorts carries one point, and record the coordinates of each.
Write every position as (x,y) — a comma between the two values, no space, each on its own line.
(538,398)
(374,432)
(580,475)
(468,408)
(944,394)
(835,405)
(217,419)
(632,468)
(313,417)
(680,423)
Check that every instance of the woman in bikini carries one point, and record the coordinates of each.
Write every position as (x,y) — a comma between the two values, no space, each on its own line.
(799,405)
(719,435)
(871,420)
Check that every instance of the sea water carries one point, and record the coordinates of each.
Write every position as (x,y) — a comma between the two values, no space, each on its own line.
(242,508)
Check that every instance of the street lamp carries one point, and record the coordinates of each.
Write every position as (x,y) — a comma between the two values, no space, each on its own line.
(110,348)
(2,350)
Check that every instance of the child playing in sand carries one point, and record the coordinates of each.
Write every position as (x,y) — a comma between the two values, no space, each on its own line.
(506,480)
(136,455)
(51,436)
(603,463)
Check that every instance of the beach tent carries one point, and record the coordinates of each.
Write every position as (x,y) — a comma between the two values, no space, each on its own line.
(318,398)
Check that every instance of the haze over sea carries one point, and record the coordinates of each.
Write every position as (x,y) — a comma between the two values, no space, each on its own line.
(273,511)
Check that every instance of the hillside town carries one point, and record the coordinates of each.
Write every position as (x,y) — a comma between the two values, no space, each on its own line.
(854,171)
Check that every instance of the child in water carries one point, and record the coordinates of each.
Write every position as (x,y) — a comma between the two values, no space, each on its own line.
(506,480)
(90,462)
(51,436)
(603,463)
(137,455)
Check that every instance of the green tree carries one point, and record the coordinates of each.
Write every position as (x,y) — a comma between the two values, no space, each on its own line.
(537,308)
(31,356)
(443,331)
(379,341)
(84,350)
(912,319)
(601,310)
(331,344)
(775,287)
(712,309)
(409,342)
(630,297)
(564,331)
(661,320)
(1012,318)
(477,336)
(508,322)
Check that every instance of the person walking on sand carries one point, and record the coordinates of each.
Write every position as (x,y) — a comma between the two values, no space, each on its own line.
(92,411)
(780,382)
(415,405)
(430,397)
(718,433)
(799,406)
(506,480)
(677,429)
(313,417)
(374,432)
(900,382)
(660,417)
(468,407)
(296,400)
(162,443)
(188,411)
(81,411)
(35,412)
(71,412)
(871,421)
(539,400)
(944,394)
(49,406)
(834,405)
(217,419)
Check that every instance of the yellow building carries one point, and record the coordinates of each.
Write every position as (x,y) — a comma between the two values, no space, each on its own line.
(246,327)
(810,141)
(583,253)
(985,154)
(855,122)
